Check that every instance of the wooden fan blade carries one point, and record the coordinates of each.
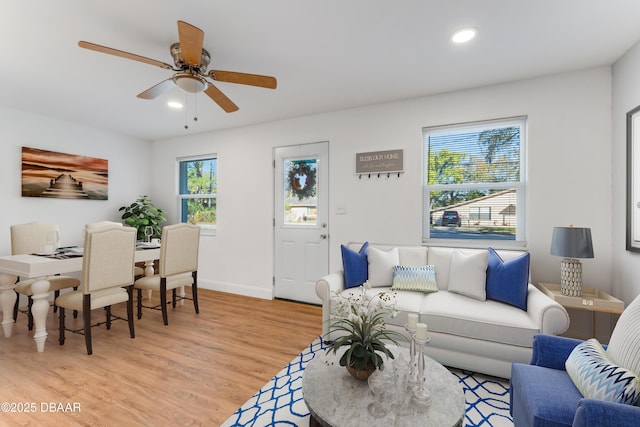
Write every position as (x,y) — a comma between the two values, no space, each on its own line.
(244,78)
(221,99)
(191,40)
(123,54)
(157,90)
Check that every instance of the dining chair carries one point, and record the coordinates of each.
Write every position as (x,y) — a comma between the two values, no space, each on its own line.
(30,238)
(138,271)
(107,269)
(178,266)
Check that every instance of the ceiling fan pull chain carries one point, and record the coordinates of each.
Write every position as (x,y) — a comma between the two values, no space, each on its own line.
(195,108)
(186,109)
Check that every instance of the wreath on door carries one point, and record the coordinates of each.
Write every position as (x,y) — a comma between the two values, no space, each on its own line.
(302,179)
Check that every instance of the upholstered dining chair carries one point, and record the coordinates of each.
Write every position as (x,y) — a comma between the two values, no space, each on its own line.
(138,271)
(27,239)
(178,267)
(107,269)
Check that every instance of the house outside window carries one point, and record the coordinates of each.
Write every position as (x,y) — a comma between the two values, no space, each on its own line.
(197,195)
(474,183)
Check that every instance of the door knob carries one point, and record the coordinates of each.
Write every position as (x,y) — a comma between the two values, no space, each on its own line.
(324,236)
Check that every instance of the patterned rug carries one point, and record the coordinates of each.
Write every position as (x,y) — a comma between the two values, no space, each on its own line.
(280,401)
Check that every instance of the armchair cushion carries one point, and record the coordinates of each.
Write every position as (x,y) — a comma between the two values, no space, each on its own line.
(531,404)
(597,377)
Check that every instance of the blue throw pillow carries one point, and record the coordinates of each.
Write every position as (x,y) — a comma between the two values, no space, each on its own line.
(508,281)
(355,266)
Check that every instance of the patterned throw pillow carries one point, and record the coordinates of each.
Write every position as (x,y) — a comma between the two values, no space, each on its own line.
(597,377)
(422,279)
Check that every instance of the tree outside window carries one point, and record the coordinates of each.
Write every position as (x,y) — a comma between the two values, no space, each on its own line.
(198,191)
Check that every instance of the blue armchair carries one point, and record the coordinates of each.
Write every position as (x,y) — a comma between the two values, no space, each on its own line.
(543,395)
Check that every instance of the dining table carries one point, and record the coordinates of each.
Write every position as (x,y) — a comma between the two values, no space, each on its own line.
(32,266)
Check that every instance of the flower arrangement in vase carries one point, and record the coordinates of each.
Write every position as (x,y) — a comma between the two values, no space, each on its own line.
(359,324)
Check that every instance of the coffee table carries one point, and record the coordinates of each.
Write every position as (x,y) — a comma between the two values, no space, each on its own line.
(335,398)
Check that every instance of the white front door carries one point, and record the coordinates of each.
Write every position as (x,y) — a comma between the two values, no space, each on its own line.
(301,221)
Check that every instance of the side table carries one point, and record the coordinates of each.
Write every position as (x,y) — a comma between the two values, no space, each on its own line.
(593,300)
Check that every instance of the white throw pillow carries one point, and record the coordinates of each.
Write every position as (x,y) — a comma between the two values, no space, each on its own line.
(381,265)
(624,345)
(468,274)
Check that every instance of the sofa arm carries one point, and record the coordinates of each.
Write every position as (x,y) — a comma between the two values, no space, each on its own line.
(546,312)
(325,287)
(552,351)
(593,413)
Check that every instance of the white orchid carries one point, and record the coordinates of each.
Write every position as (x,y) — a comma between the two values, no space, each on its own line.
(359,324)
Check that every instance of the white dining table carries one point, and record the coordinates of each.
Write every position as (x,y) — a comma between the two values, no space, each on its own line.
(40,267)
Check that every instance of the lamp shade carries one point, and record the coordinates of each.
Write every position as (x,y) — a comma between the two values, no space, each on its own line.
(572,242)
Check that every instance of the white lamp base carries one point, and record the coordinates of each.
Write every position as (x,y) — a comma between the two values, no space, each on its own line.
(571,277)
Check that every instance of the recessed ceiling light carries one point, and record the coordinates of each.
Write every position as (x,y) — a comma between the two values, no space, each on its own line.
(174,104)
(464,35)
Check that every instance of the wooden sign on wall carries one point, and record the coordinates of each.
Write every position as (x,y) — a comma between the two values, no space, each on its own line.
(389,161)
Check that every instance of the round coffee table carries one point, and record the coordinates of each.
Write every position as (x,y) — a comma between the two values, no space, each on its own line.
(335,398)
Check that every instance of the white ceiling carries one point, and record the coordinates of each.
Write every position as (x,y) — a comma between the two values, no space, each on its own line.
(327,55)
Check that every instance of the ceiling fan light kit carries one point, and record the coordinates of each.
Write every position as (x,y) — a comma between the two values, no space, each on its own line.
(190,82)
(191,61)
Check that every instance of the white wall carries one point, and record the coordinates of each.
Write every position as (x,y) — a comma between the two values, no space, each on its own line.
(569,174)
(129,173)
(626,96)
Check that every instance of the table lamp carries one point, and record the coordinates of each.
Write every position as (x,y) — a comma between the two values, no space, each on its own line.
(571,243)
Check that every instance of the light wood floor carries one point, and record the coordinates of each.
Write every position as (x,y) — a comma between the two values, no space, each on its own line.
(196,371)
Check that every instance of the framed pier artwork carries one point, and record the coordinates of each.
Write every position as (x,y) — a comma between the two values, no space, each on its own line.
(63,176)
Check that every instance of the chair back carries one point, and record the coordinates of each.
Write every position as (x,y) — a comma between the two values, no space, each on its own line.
(102,224)
(108,259)
(179,249)
(31,237)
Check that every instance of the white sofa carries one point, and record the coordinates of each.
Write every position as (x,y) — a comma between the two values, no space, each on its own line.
(467,333)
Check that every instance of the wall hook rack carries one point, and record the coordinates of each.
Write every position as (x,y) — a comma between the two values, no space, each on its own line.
(388,174)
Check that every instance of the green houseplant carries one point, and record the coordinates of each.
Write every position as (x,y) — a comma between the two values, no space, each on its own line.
(143,213)
(359,325)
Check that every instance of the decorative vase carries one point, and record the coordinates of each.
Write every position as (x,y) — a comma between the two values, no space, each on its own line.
(362,374)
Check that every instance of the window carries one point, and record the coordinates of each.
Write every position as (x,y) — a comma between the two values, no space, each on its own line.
(198,186)
(474,185)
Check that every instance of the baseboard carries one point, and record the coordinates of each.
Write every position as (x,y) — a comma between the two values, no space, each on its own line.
(236,288)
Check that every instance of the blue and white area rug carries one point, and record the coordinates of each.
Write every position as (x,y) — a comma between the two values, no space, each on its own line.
(280,401)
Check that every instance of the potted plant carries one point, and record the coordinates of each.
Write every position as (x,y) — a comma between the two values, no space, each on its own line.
(360,326)
(143,213)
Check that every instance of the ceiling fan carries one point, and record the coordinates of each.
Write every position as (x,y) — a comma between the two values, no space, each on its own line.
(191,61)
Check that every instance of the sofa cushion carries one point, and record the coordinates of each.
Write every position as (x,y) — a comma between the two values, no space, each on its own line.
(624,345)
(531,402)
(412,256)
(507,281)
(381,265)
(597,377)
(468,274)
(422,279)
(354,265)
(451,313)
